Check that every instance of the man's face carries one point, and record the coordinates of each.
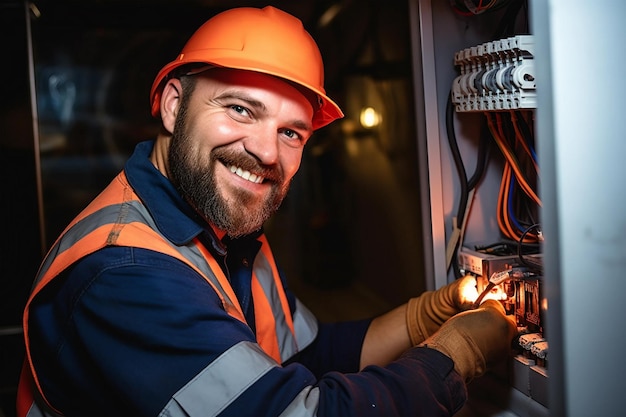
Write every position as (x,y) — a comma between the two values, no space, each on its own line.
(236,145)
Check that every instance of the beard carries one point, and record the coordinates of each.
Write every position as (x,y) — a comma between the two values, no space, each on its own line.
(194,175)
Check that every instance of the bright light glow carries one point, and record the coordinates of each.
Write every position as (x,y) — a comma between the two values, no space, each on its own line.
(369,118)
(329,15)
(469,292)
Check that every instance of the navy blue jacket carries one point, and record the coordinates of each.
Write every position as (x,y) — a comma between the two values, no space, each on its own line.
(125,329)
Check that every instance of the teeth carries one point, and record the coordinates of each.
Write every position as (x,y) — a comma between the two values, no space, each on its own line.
(246,175)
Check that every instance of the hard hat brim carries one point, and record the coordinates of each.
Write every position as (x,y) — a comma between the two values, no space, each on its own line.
(327,112)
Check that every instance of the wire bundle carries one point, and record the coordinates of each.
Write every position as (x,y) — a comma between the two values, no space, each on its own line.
(518,201)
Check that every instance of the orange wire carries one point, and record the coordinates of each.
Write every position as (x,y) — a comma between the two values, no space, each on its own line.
(498,135)
(510,154)
(505,223)
(501,209)
(520,139)
(510,231)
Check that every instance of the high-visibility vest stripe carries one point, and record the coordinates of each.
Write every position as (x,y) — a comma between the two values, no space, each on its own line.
(305,404)
(221,382)
(304,324)
(265,250)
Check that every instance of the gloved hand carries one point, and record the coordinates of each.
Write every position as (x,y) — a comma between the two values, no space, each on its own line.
(475,339)
(426,313)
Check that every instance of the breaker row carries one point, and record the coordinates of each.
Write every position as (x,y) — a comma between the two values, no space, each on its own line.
(497,75)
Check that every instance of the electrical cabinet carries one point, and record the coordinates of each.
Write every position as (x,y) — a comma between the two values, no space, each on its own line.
(574,118)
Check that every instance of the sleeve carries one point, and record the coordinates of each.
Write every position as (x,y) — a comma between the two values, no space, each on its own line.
(131,332)
(337,347)
(420,383)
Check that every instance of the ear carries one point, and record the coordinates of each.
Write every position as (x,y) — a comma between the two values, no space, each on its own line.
(170,100)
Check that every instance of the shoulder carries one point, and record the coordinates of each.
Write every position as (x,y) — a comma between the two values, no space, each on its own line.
(123,287)
(139,268)
(120,274)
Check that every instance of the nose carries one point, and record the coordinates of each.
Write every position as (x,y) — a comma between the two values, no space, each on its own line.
(263,144)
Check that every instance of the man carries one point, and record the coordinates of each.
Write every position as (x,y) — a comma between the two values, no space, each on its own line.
(163,298)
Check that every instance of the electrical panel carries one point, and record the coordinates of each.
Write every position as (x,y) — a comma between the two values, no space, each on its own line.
(497,78)
(581,211)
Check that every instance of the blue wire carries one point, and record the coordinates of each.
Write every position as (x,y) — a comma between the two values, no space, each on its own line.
(532,151)
(510,204)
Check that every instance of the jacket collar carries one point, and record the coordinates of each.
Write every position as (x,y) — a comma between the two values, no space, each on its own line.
(174,217)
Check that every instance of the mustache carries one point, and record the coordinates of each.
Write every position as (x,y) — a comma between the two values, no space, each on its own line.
(272,173)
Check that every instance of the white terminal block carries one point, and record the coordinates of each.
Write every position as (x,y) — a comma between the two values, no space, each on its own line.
(497,75)
(540,349)
(528,340)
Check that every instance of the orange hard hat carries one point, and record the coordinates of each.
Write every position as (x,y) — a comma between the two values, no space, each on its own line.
(265,40)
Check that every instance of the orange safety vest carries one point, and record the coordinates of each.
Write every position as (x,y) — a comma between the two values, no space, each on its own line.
(117,217)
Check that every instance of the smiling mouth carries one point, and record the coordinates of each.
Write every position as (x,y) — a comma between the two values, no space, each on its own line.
(246,175)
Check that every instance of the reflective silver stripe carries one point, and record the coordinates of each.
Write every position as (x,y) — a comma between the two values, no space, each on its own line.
(193,254)
(286,341)
(304,405)
(39,408)
(35,411)
(305,325)
(220,383)
(107,215)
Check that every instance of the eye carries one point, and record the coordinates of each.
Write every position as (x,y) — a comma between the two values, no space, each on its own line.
(240,110)
(291,134)
(293,138)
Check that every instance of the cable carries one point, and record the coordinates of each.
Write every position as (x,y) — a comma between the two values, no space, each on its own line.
(524,131)
(502,248)
(484,151)
(458,160)
(466,186)
(513,160)
(504,221)
(482,295)
(497,133)
(500,277)
(515,211)
(530,263)
(522,139)
(464,192)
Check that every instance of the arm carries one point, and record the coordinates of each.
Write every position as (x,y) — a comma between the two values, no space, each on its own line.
(386,338)
(410,324)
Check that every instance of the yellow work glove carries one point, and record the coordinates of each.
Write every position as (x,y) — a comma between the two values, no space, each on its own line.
(426,313)
(475,339)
